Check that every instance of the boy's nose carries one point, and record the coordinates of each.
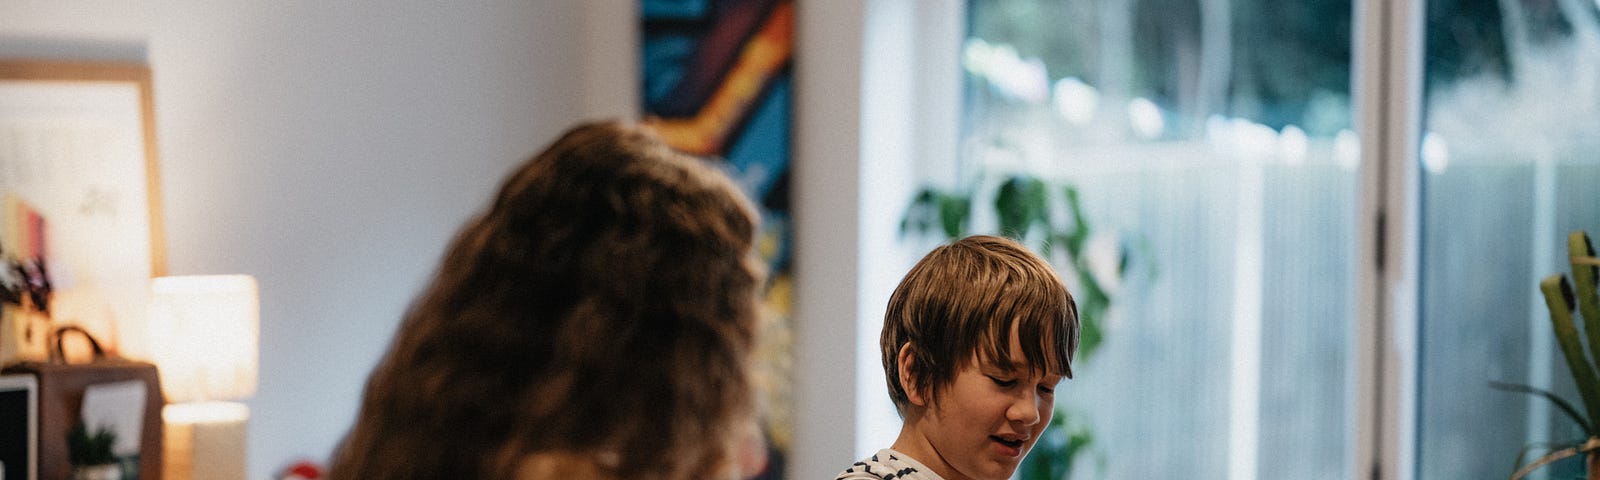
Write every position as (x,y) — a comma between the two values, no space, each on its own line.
(1025,409)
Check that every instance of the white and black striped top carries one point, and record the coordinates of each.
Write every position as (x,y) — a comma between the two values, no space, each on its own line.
(888,464)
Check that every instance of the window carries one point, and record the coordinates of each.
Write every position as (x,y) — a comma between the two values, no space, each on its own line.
(1219,144)
(1214,141)
(1509,160)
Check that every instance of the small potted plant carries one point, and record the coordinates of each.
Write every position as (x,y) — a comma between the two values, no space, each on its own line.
(91,454)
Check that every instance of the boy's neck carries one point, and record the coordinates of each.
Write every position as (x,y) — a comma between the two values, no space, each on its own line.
(914,444)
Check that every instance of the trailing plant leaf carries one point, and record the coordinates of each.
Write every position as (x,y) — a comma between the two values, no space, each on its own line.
(1560,403)
(1079,233)
(1093,303)
(1558,296)
(931,208)
(955,212)
(920,214)
(1054,454)
(1021,204)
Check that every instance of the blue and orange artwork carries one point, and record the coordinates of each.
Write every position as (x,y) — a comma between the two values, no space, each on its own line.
(717,84)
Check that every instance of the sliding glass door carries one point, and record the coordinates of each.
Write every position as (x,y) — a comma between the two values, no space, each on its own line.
(1216,223)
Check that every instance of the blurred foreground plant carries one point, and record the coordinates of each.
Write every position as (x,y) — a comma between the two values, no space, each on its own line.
(1560,297)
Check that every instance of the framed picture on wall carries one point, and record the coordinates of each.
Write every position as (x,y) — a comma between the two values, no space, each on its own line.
(79,199)
(716,82)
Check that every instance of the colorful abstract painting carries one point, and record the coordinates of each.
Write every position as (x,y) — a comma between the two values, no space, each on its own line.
(717,83)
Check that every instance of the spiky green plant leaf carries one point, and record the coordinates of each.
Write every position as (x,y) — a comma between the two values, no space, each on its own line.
(1558,297)
(1560,403)
(1581,256)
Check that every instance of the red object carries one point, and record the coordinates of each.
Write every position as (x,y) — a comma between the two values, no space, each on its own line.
(303,470)
(34,227)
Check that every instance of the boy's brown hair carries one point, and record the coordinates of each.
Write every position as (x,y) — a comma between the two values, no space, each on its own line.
(967,298)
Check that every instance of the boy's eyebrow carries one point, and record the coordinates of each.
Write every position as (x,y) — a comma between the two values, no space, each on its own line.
(1042,374)
(1003,370)
(1011,366)
(1007,365)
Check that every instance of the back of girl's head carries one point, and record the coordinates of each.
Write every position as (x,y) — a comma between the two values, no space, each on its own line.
(965,300)
(602,308)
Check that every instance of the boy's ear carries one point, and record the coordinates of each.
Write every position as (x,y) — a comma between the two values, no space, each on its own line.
(903,362)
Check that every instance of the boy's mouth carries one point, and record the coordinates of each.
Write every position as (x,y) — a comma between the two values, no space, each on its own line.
(1013,443)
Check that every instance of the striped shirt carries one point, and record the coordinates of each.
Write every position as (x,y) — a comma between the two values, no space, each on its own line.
(888,464)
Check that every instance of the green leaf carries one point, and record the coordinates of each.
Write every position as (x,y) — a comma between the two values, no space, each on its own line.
(954,213)
(84,448)
(1021,204)
(931,207)
(1080,226)
(919,214)
(1058,448)
(1558,297)
(1581,256)
(1560,403)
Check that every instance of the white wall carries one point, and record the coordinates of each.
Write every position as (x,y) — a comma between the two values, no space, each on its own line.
(910,126)
(878,92)
(330,149)
(826,199)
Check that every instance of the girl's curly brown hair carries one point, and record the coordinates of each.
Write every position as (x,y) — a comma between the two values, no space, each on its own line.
(601,313)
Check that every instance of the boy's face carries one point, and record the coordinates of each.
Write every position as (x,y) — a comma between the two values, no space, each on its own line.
(988,419)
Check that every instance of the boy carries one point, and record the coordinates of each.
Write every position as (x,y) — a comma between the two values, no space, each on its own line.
(975,339)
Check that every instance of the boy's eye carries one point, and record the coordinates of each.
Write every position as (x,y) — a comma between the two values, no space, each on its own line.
(1046,389)
(1004,383)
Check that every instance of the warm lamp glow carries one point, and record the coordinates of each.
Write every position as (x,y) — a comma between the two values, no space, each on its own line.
(205,412)
(204,332)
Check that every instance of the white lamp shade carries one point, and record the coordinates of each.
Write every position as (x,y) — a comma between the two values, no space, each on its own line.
(204,336)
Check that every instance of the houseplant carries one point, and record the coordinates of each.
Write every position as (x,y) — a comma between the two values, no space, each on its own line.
(91,454)
(1561,296)
(1048,217)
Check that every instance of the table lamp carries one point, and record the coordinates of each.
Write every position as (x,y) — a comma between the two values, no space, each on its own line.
(204,332)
